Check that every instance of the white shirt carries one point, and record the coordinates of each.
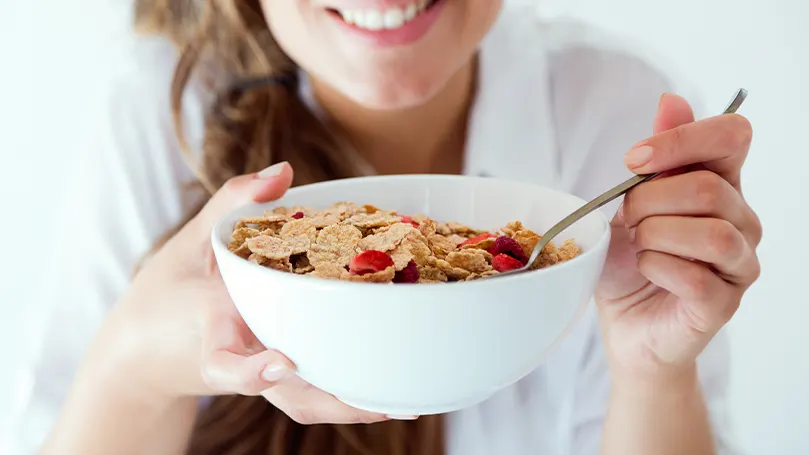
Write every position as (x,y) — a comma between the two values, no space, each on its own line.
(554,106)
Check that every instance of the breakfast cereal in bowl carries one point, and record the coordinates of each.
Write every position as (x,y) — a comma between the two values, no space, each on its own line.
(352,242)
(380,289)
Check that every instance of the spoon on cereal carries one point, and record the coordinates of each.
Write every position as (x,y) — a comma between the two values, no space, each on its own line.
(605,198)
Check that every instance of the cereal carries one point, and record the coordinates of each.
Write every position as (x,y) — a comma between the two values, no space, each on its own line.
(478,240)
(509,246)
(378,219)
(441,246)
(505,263)
(409,274)
(527,240)
(275,248)
(363,243)
(370,261)
(388,239)
(335,244)
(452,272)
(473,261)
(428,273)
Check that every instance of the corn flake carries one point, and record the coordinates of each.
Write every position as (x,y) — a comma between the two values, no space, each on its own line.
(325,243)
(474,261)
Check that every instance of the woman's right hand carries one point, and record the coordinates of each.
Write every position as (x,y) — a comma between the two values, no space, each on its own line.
(176,333)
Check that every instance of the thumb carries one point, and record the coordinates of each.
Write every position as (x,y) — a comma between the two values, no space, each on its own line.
(673,111)
(267,185)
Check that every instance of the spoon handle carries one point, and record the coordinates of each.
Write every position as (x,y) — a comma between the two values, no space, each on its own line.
(612,193)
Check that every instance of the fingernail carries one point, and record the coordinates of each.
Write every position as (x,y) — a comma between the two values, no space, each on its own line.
(638,156)
(660,101)
(272,171)
(401,417)
(275,372)
(632,235)
(620,215)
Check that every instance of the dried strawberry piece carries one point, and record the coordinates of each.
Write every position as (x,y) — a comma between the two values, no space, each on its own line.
(509,246)
(407,219)
(298,215)
(505,263)
(407,275)
(476,239)
(370,261)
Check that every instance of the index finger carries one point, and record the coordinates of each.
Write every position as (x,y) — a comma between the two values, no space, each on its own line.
(720,144)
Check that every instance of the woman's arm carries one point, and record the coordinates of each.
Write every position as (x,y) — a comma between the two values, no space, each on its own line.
(106,412)
(661,416)
(623,92)
(106,419)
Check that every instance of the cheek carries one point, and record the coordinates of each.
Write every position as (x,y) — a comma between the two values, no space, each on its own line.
(290,22)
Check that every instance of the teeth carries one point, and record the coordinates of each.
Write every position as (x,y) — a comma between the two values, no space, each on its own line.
(390,19)
(411,12)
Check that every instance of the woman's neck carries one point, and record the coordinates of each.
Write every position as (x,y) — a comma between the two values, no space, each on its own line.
(429,138)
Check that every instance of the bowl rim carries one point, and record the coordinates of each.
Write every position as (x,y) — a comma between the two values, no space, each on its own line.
(220,248)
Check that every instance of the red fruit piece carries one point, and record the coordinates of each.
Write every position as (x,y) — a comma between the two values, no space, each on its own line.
(370,261)
(407,219)
(505,263)
(297,215)
(407,275)
(509,246)
(476,239)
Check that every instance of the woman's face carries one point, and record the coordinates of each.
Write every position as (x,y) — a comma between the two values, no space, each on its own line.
(382,54)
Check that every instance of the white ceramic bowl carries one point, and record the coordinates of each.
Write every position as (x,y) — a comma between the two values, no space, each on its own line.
(420,349)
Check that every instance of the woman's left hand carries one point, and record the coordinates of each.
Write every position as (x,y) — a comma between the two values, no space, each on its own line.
(683,248)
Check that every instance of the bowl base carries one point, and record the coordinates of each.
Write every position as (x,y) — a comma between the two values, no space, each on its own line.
(416,410)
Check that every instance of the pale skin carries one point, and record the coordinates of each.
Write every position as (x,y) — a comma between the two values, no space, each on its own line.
(683,254)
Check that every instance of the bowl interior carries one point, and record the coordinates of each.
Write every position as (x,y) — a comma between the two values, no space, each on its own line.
(481,203)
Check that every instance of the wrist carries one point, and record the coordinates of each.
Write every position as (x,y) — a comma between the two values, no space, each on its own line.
(673,384)
(117,365)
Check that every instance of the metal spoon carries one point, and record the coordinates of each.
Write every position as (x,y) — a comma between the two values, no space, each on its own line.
(604,199)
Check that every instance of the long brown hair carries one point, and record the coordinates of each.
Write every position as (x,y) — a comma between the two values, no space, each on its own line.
(246,130)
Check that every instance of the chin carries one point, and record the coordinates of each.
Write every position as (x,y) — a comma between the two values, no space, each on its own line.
(392,95)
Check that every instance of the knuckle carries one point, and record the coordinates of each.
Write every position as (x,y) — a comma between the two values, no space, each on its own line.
(676,143)
(209,376)
(728,310)
(756,228)
(740,131)
(699,286)
(303,415)
(709,190)
(724,240)
(229,187)
(644,233)
(755,272)
(364,417)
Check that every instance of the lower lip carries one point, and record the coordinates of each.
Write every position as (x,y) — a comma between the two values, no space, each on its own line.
(404,35)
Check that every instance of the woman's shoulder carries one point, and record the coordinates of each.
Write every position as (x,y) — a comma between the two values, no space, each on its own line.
(586,64)
(138,84)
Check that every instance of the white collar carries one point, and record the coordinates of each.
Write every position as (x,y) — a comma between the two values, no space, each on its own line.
(511,128)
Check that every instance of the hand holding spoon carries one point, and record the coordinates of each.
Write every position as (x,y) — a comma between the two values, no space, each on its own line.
(605,198)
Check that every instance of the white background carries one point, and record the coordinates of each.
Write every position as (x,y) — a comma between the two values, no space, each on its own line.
(58,48)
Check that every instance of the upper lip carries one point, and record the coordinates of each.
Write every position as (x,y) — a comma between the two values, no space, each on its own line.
(380,5)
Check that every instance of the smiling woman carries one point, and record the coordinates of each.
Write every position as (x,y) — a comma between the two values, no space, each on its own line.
(268,94)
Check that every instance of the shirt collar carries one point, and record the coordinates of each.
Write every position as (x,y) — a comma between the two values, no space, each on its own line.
(511,129)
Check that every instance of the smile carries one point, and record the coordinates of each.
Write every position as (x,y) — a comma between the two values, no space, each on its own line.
(392,25)
(391,18)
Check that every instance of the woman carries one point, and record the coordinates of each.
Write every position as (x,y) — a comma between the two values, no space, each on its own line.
(354,87)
